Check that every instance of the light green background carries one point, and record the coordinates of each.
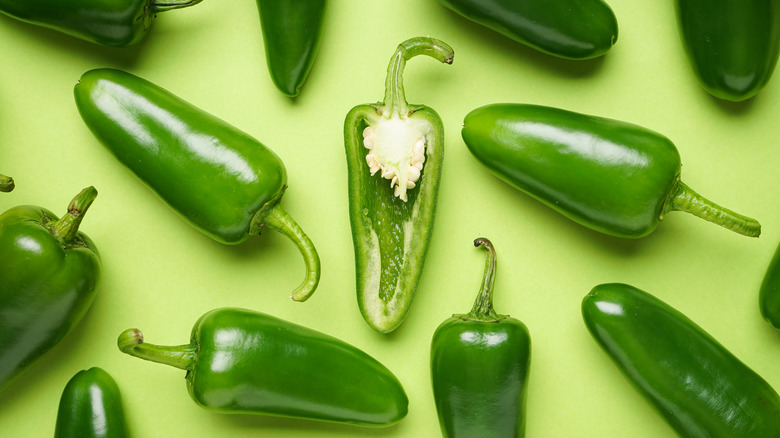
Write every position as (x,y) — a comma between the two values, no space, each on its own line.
(160,274)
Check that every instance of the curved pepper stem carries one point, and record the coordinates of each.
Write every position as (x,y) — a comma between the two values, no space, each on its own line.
(6,183)
(167,5)
(131,342)
(66,229)
(483,305)
(395,98)
(683,198)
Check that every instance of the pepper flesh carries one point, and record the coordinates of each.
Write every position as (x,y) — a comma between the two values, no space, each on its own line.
(569,29)
(479,367)
(697,385)
(116,23)
(49,272)
(91,407)
(218,178)
(732,45)
(292,31)
(608,175)
(239,361)
(769,293)
(392,222)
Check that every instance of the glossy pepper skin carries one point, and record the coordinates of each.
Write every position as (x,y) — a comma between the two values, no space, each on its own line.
(49,272)
(239,361)
(769,293)
(697,385)
(218,178)
(611,176)
(116,23)
(570,29)
(732,45)
(394,157)
(479,367)
(292,31)
(91,407)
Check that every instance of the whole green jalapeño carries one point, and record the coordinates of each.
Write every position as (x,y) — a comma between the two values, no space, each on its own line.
(769,293)
(91,407)
(394,157)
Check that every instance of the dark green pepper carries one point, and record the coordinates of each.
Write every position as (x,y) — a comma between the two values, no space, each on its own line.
(224,182)
(6,183)
(697,385)
(611,176)
(116,23)
(570,29)
(479,367)
(392,213)
(49,271)
(292,30)
(732,45)
(239,361)
(769,294)
(91,407)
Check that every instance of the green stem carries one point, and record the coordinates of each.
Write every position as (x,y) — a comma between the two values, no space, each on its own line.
(6,183)
(683,198)
(131,342)
(67,227)
(395,98)
(167,5)
(483,305)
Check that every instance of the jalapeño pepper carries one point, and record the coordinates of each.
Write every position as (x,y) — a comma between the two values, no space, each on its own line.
(91,407)
(49,271)
(116,23)
(6,183)
(224,182)
(611,176)
(239,361)
(292,30)
(479,367)
(697,385)
(394,156)
(769,293)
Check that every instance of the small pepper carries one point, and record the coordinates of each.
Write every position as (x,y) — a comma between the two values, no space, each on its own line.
(610,176)
(732,45)
(394,156)
(239,361)
(49,271)
(479,367)
(769,293)
(116,23)
(91,407)
(224,182)
(6,183)
(697,385)
(569,29)
(292,31)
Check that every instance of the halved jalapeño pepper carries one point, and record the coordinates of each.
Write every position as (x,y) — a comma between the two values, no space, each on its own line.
(697,385)
(224,182)
(116,23)
(769,293)
(394,157)
(239,361)
(608,175)
(91,407)
(6,183)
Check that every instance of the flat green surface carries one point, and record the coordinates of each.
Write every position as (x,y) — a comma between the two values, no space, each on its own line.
(160,274)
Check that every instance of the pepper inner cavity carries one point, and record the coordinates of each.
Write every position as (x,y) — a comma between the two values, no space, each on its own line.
(397,150)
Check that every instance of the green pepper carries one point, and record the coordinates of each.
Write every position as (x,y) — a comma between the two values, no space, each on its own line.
(479,367)
(91,407)
(116,23)
(224,182)
(608,175)
(697,385)
(292,31)
(239,361)
(6,183)
(769,293)
(392,213)
(49,271)
(570,29)
(732,45)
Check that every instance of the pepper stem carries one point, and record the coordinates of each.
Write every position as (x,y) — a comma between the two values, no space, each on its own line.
(131,342)
(6,183)
(167,5)
(278,219)
(684,198)
(483,305)
(67,227)
(395,98)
